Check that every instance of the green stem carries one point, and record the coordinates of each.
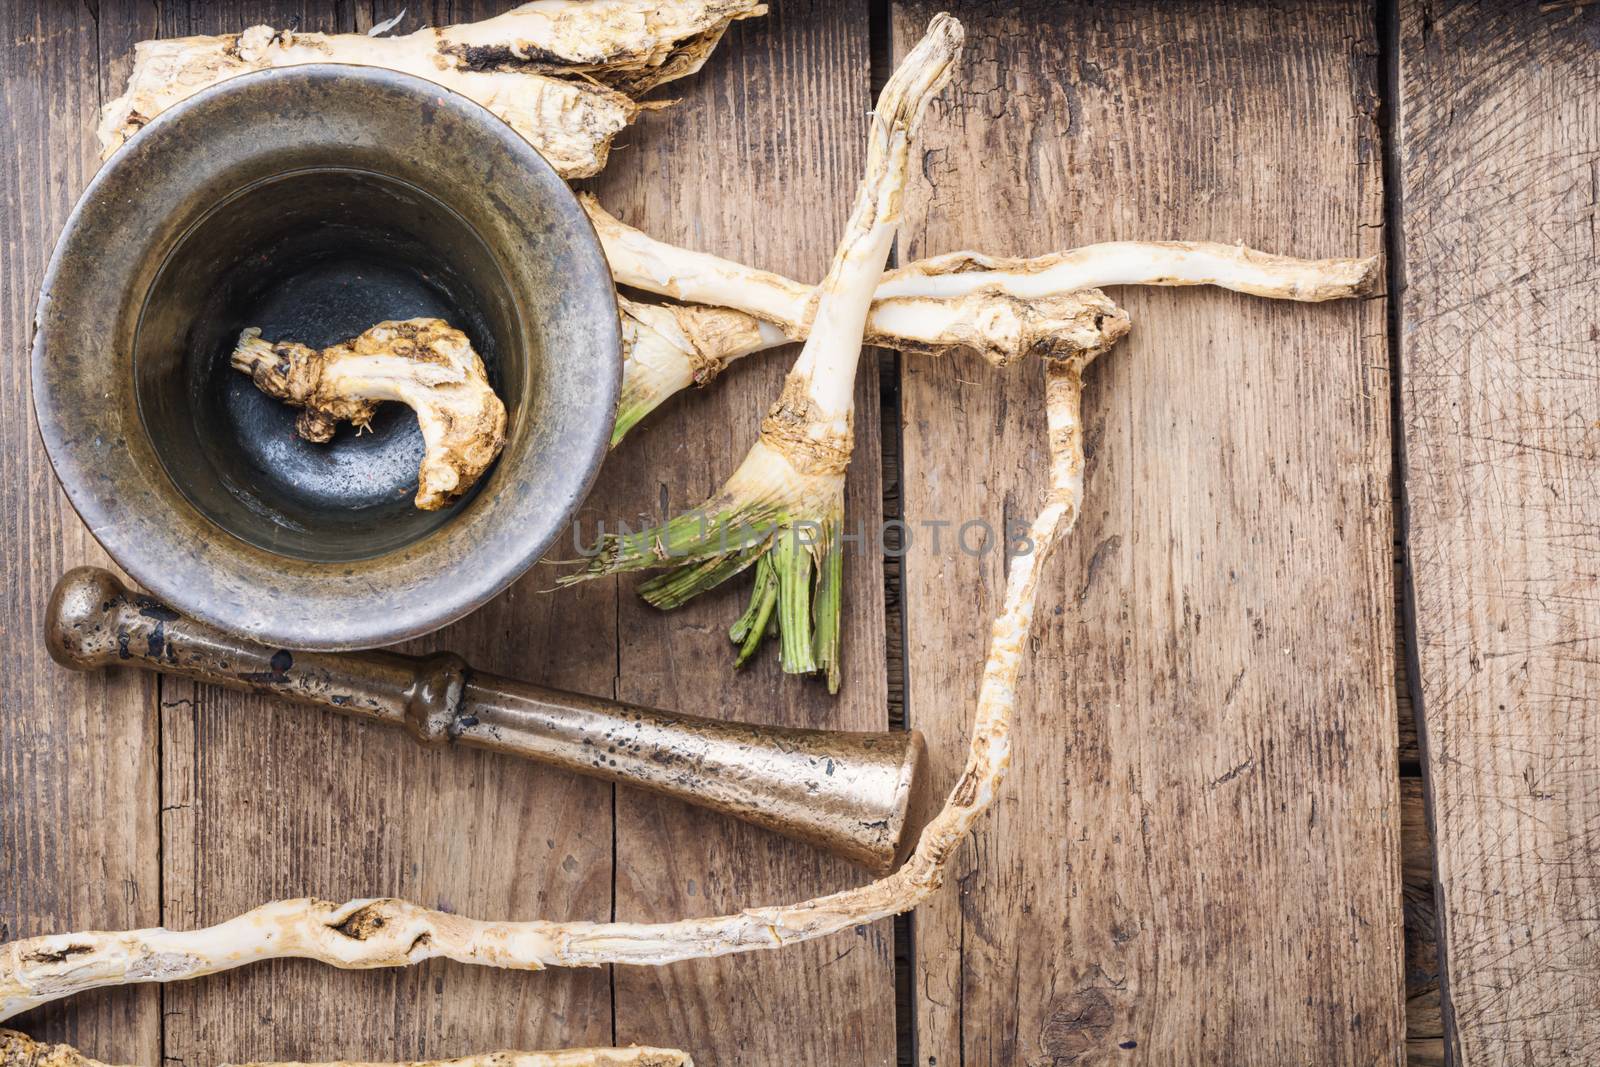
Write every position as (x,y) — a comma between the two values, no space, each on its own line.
(791,559)
(759,622)
(826,606)
(680,585)
(766,586)
(692,537)
(629,412)
(799,563)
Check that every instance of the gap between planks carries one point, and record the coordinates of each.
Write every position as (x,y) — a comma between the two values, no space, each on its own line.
(1426,1005)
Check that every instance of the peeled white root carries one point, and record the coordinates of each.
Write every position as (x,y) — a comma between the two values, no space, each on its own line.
(840,305)
(668,347)
(1002,309)
(423,363)
(1236,267)
(905,295)
(19,1050)
(562,73)
(782,510)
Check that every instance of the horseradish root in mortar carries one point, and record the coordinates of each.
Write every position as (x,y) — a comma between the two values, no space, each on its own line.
(425,364)
(565,74)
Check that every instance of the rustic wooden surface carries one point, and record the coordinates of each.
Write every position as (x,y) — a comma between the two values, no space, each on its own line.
(1196,858)
(1199,855)
(1499,139)
(78,774)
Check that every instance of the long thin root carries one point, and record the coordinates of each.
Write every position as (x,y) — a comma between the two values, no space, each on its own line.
(19,1050)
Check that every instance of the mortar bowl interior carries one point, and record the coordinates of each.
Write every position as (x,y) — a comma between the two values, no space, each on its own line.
(312,203)
(315,256)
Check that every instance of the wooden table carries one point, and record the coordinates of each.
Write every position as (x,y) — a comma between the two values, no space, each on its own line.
(1197,857)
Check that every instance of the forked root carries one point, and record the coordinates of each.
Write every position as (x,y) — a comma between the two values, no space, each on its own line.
(562,73)
(19,1050)
(668,347)
(391,933)
(426,364)
(1003,309)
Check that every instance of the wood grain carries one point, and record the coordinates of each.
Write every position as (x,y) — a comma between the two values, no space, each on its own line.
(759,161)
(262,800)
(78,772)
(1499,143)
(1196,857)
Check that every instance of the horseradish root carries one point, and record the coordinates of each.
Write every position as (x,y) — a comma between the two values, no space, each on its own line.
(1004,309)
(783,508)
(423,363)
(564,74)
(393,933)
(1244,270)
(19,1050)
(668,347)
(641,261)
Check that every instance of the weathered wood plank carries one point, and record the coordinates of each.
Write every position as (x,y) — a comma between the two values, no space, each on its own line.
(262,800)
(1499,146)
(1196,857)
(759,160)
(78,772)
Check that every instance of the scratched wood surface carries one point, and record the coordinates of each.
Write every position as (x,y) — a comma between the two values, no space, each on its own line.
(1499,141)
(1196,857)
